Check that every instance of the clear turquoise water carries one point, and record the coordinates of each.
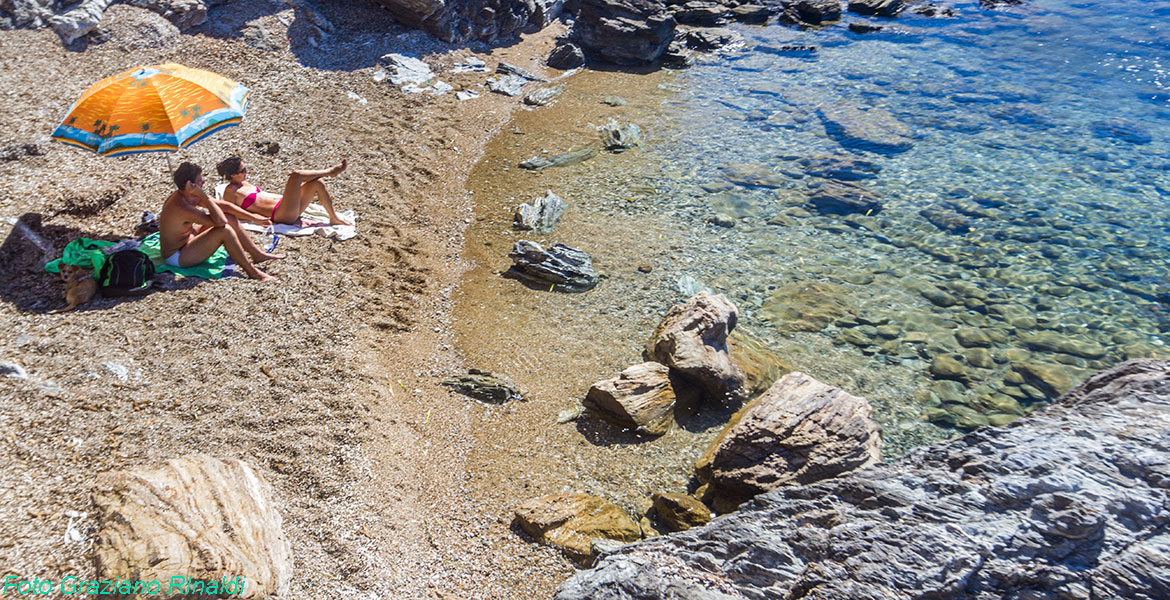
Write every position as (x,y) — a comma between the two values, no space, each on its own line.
(1063,262)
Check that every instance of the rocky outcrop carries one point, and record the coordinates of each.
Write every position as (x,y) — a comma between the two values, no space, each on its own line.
(798,432)
(73,21)
(574,521)
(692,340)
(541,215)
(1069,502)
(201,517)
(623,32)
(881,8)
(560,265)
(459,21)
(642,398)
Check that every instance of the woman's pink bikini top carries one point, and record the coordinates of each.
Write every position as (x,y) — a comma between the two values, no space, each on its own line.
(250,199)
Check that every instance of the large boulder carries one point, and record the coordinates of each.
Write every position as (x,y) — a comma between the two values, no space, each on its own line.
(1068,502)
(200,517)
(692,340)
(642,398)
(623,32)
(458,21)
(573,521)
(798,432)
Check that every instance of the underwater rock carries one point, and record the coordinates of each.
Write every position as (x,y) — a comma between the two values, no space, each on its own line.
(755,175)
(946,220)
(1122,129)
(841,168)
(873,130)
(807,306)
(841,198)
(644,397)
(572,157)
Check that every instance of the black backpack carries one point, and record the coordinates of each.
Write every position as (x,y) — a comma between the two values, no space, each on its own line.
(126,273)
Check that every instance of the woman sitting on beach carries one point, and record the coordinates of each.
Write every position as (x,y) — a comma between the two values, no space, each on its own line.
(299,192)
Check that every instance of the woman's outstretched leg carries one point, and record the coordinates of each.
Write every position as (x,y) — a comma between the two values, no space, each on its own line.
(317,188)
(295,201)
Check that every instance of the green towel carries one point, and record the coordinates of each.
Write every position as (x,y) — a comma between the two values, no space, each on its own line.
(87,254)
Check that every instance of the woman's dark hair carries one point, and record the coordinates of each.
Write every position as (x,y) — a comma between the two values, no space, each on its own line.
(186,172)
(229,166)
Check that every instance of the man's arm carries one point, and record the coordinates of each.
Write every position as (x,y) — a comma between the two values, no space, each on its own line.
(213,210)
(231,209)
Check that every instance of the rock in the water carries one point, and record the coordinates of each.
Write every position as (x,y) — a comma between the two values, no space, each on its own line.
(1053,342)
(712,38)
(572,521)
(841,168)
(566,56)
(760,366)
(1122,129)
(644,397)
(624,32)
(464,20)
(755,175)
(562,267)
(881,8)
(946,220)
(873,130)
(808,306)
(680,512)
(692,340)
(842,198)
(751,13)
(618,137)
(798,432)
(541,215)
(1051,379)
(865,27)
(485,386)
(572,157)
(200,517)
(1068,502)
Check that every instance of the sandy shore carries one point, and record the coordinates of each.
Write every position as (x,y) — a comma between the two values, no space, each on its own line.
(327,382)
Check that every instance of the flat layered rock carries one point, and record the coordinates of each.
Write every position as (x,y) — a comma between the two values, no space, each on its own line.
(1068,502)
(484,386)
(574,522)
(199,517)
(641,398)
(560,265)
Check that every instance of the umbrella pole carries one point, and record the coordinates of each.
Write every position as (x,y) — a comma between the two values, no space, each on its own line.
(170,167)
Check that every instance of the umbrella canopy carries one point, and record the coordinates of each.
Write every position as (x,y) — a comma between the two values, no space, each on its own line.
(152,109)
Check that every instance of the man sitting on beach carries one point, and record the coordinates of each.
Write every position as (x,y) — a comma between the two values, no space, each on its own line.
(192,227)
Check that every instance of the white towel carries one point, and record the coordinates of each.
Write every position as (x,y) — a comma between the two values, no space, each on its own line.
(314,221)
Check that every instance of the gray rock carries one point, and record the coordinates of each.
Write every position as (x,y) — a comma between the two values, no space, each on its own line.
(881,8)
(13,370)
(841,198)
(702,13)
(810,12)
(508,85)
(565,57)
(798,432)
(485,386)
(571,157)
(873,130)
(561,267)
(183,14)
(619,137)
(544,96)
(692,340)
(1068,502)
(542,215)
(510,69)
(459,21)
(624,32)
(407,69)
(751,13)
(613,101)
(712,38)
(79,21)
(841,168)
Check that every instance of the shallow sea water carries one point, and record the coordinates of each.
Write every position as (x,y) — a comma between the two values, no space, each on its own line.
(1041,256)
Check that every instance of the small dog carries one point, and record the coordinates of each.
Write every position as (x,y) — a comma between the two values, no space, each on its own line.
(79,286)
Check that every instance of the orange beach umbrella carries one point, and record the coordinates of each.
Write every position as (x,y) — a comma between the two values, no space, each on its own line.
(152,109)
